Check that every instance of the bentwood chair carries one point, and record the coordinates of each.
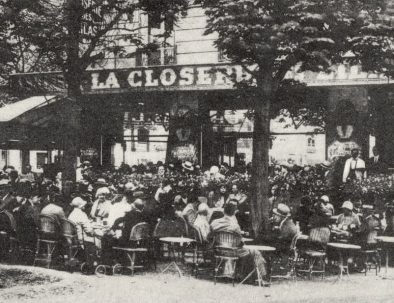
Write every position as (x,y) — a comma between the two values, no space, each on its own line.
(73,246)
(139,243)
(226,253)
(200,249)
(176,227)
(8,232)
(314,254)
(48,239)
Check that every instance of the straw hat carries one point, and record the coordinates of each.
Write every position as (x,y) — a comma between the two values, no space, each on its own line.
(188,166)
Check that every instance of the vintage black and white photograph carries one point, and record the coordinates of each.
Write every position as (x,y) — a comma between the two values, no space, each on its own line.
(171,151)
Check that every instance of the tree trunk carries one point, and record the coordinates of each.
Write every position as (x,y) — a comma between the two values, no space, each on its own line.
(73,77)
(260,162)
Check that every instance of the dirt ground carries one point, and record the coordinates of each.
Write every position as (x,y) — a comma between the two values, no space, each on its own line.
(56,286)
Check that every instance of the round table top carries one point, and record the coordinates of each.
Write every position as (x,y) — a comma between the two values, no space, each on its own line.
(247,239)
(176,240)
(343,245)
(260,247)
(385,239)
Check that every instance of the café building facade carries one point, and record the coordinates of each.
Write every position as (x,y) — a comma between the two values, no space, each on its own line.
(179,103)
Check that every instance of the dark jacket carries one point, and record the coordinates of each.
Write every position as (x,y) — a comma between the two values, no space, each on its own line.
(131,219)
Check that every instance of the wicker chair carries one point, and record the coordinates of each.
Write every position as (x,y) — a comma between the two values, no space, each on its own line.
(169,228)
(73,246)
(8,230)
(315,253)
(139,240)
(200,249)
(48,238)
(226,248)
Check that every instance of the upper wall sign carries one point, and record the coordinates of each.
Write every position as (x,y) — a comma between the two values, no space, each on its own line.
(166,78)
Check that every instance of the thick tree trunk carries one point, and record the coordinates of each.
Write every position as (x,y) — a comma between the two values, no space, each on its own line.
(73,77)
(260,162)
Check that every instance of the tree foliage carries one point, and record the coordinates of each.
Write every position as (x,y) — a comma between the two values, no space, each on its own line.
(270,38)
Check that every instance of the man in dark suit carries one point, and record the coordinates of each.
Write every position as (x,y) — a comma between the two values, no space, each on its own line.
(376,164)
(133,217)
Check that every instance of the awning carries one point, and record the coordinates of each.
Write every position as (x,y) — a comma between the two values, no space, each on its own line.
(19,108)
(32,121)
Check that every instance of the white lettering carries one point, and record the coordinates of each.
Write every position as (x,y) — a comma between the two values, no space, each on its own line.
(187,76)
(222,76)
(95,81)
(131,79)
(112,81)
(204,76)
(149,78)
(168,77)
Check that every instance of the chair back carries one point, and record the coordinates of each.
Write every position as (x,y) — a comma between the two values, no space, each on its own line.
(48,225)
(319,235)
(224,239)
(195,234)
(7,222)
(170,228)
(69,231)
(140,231)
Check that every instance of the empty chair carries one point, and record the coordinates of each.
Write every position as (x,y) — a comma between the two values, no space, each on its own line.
(73,246)
(314,253)
(48,239)
(139,243)
(8,234)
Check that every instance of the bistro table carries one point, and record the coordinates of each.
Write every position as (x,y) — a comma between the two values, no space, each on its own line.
(172,241)
(341,247)
(263,249)
(386,241)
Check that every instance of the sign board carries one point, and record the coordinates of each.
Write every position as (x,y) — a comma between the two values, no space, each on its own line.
(339,149)
(166,78)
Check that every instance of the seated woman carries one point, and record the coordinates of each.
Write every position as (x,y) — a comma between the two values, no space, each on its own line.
(102,205)
(85,230)
(348,222)
(201,221)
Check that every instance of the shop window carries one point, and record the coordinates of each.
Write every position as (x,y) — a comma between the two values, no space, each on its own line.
(143,135)
(41,160)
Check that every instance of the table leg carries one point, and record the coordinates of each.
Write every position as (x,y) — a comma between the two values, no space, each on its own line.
(387,260)
(249,275)
(341,268)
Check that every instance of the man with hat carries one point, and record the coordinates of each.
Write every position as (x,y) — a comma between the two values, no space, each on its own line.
(131,218)
(282,234)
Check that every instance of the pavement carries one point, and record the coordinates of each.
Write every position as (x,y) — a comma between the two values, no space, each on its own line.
(156,287)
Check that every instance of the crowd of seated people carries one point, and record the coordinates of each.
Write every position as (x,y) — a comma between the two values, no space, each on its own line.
(105,205)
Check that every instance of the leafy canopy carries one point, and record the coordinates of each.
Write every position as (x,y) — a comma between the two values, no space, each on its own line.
(272,37)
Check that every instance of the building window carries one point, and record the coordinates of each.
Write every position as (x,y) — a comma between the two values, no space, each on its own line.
(311,142)
(41,160)
(143,135)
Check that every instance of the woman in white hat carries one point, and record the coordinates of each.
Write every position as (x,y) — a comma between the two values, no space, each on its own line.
(81,220)
(101,206)
(347,220)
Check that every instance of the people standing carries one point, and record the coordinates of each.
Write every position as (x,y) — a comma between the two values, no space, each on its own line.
(354,167)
